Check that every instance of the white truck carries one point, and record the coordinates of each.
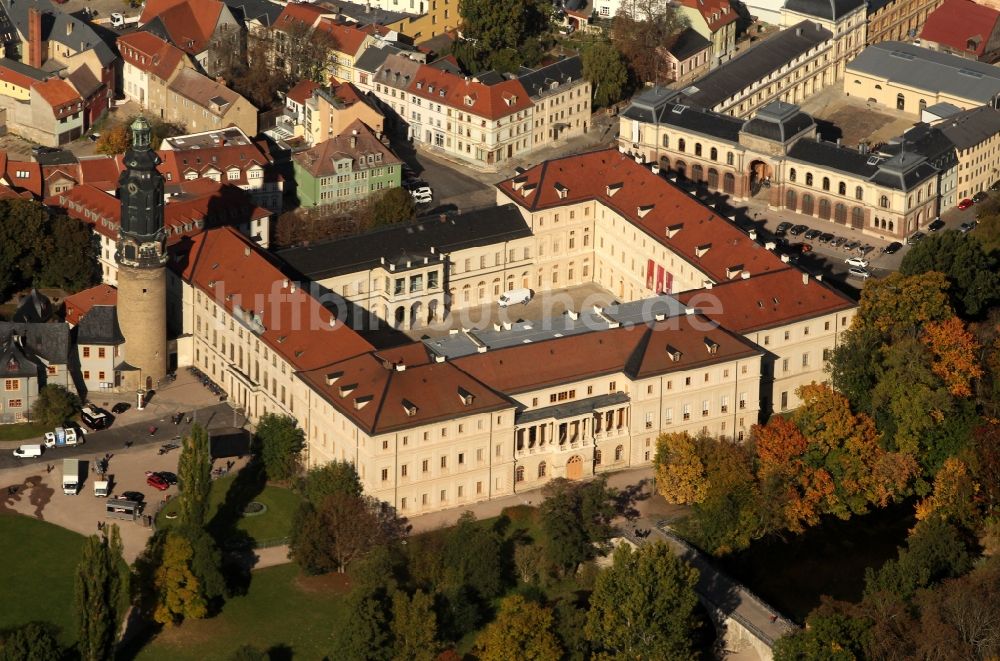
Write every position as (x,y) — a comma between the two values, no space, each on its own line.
(120,21)
(28,451)
(71,476)
(62,437)
(102,488)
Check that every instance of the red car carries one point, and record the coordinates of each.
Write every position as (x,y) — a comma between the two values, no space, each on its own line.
(965,204)
(156,482)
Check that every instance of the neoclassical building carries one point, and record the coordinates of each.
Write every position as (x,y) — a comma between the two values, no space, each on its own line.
(778,157)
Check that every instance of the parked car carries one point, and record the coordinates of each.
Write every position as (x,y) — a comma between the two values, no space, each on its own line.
(41,150)
(801,247)
(167,476)
(860,262)
(965,204)
(855,272)
(980,196)
(838,241)
(422,194)
(812,234)
(967,227)
(852,245)
(94,137)
(782,229)
(916,237)
(120,408)
(936,225)
(157,482)
(798,229)
(892,248)
(826,237)
(134,496)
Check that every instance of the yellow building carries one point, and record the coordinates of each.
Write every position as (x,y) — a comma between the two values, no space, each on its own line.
(898,20)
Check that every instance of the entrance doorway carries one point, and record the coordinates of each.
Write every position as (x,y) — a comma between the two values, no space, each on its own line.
(760,176)
(574,468)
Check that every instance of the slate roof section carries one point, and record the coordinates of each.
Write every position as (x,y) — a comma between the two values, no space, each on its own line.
(36,307)
(572,409)
(14,361)
(730,78)
(660,106)
(830,10)
(971,127)
(262,11)
(398,71)
(444,235)
(688,44)
(779,121)
(928,141)
(959,23)
(375,55)
(901,172)
(923,69)
(48,341)
(100,326)
(204,91)
(19,73)
(540,81)
(59,26)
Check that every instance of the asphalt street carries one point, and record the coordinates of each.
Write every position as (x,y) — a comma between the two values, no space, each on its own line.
(112,440)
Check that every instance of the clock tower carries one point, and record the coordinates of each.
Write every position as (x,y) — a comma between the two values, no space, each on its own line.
(141,255)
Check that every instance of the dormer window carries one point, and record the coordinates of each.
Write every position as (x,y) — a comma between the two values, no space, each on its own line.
(711,345)
(674,353)
(441,93)
(420,85)
(465,396)
(409,408)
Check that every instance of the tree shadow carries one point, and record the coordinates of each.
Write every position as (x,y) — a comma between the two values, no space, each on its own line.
(280,652)
(237,545)
(625,499)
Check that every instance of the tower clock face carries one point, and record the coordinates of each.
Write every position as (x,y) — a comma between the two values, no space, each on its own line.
(133,188)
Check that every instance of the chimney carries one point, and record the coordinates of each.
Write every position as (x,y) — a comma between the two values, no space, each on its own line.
(220,141)
(805,278)
(34,38)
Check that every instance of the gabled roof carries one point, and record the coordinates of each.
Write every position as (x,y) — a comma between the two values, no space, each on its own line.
(23,175)
(226,266)
(148,52)
(264,12)
(971,127)
(961,25)
(347,38)
(668,215)
(188,23)
(299,16)
(302,90)
(381,394)
(56,92)
(469,95)
(204,92)
(80,303)
(717,13)
(19,73)
(831,10)
(398,71)
(177,163)
(660,106)
(101,172)
(768,300)
(356,142)
(552,77)
(375,55)
(688,44)
(59,26)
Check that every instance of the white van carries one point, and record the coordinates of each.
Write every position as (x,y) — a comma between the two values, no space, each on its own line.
(28,451)
(515,296)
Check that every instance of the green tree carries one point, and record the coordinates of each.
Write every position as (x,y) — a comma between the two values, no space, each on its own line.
(641,30)
(23,228)
(834,637)
(934,551)
(392,207)
(604,67)
(363,634)
(55,405)
(179,595)
(900,304)
(575,517)
(248,653)
(280,441)
(522,631)
(643,605)
(34,641)
(972,274)
(571,626)
(414,627)
(334,477)
(68,255)
(501,33)
(854,366)
(194,474)
(115,140)
(101,595)
(473,557)
(206,561)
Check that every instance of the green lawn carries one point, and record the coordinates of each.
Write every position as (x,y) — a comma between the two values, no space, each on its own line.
(283,611)
(36,575)
(273,524)
(23,431)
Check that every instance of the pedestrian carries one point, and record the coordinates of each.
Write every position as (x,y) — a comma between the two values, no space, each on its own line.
(48,468)
(774,618)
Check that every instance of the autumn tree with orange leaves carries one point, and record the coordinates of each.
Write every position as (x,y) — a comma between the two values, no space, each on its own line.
(954,350)
(680,472)
(955,495)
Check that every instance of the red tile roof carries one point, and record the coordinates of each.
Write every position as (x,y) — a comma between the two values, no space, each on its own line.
(149,53)
(347,38)
(227,266)
(80,303)
(320,160)
(101,172)
(24,175)
(208,160)
(959,23)
(8,75)
(489,101)
(189,23)
(302,91)
(638,351)
(767,300)
(299,15)
(703,238)
(392,398)
(57,93)
(717,13)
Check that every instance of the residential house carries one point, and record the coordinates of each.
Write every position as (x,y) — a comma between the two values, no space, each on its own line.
(57,113)
(688,57)
(16,79)
(202,104)
(75,306)
(390,86)
(560,95)
(375,55)
(100,348)
(346,169)
(963,28)
(716,21)
(329,111)
(207,30)
(32,355)
(976,135)
(149,64)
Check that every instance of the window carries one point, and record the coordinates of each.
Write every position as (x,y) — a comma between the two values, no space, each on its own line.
(86,352)
(101,352)
(883,202)
(713,154)
(649,420)
(784,400)
(666,138)
(385,474)
(784,364)
(11,385)
(697,149)
(519,474)
(425,465)
(13,403)
(805,360)
(792,175)
(541,470)
(680,145)
(402,470)
(859,192)
(619,453)
(729,158)
(809,179)
(597,457)
(842,188)
(402,503)
(461,458)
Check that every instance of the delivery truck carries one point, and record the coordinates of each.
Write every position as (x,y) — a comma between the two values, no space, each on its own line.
(71,476)
(102,488)
(62,437)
